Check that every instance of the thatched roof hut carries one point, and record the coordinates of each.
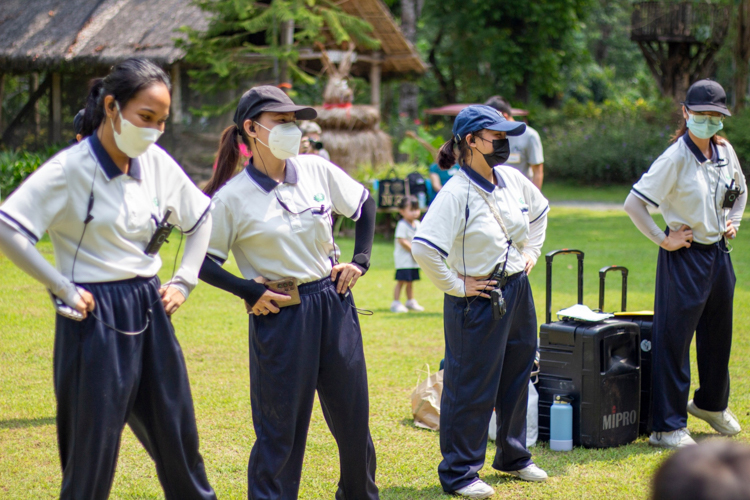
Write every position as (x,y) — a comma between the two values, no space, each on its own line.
(80,39)
(64,43)
(49,35)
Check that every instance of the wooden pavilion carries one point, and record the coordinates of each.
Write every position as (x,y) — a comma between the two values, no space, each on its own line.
(65,43)
(679,41)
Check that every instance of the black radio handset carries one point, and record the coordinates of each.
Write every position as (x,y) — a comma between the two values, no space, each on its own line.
(163,229)
(730,196)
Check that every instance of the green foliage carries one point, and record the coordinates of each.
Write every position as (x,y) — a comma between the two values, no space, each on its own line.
(15,166)
(737,131)
(417,152)
(511,48)
(242,41)
(614,142)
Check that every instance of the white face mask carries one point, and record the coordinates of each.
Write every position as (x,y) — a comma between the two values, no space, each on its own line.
(284,140)
(133,140)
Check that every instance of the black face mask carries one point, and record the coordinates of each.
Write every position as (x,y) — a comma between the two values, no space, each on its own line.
(500,152)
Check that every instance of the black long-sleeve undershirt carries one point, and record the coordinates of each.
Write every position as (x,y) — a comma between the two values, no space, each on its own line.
(215,275)
(250,290)
(364,234)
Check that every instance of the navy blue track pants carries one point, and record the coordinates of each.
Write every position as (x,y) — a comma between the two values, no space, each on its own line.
(487,364)
(694,293)
(105,379)
(316,345)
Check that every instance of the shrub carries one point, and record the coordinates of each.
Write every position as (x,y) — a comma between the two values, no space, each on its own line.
(737,131)
(606,144)
(15,166)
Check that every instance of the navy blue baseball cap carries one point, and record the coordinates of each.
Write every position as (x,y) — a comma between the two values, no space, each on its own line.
(477,117)
(707,95)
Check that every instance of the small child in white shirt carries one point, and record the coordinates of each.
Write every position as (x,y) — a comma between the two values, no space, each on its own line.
(407,269)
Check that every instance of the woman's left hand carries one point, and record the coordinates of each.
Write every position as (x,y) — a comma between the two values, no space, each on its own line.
(731,230)
(172,299)
(529,263)
(348,274)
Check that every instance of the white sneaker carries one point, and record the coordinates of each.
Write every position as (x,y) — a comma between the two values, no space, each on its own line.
(413,305)
(723,422)
(477,489)
(530,473)
(671,440)
(398,307)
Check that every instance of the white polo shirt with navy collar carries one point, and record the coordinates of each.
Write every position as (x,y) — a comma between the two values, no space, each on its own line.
(689,188)
(484,245)
(126,208)
(279,230)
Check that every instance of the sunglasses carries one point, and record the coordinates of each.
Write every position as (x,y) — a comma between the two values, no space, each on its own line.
(701,119)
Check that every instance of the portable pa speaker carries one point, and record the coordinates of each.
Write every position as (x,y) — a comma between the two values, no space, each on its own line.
(597,365)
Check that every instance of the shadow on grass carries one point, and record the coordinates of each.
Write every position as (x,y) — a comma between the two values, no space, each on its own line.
(410,492)
(21,423)
(409,422)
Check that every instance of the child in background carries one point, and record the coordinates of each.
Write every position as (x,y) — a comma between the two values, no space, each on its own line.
(407,269)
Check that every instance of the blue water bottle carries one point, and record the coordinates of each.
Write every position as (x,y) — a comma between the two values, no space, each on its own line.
(561,424)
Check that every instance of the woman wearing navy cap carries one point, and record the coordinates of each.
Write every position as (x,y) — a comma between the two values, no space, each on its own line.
(488,224)
(275,218)
(698,186)
(117,360)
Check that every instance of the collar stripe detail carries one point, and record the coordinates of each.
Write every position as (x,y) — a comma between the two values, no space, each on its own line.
(431,244)
(265,182)
(699,156)
(481,181)
(108,166)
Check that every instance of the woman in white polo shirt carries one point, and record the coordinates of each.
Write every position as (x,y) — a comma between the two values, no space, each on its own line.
(118,362)
(275,218)
(698,185)
(488,224)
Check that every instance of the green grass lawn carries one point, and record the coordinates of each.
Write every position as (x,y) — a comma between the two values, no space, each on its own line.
(212,329)
(568,192)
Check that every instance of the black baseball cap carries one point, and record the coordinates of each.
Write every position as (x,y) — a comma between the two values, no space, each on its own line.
(707,95)
(269,98)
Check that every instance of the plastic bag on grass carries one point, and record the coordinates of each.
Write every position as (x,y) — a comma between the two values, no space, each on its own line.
(425,401)
(532,419)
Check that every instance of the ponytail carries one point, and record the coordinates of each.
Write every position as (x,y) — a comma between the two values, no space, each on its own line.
(226,160)
(93,113)
(447,154)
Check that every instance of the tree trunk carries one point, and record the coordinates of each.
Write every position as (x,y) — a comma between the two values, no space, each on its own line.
(741,55)
(2,95)
(408,103)
(34,84)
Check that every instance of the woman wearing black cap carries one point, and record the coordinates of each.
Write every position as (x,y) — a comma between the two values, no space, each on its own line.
(488,223)
(275,217)
(697,184)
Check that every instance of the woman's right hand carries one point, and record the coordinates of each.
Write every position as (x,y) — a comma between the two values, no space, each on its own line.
(476,287)
(85,302)
(683,237)
(264,304)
